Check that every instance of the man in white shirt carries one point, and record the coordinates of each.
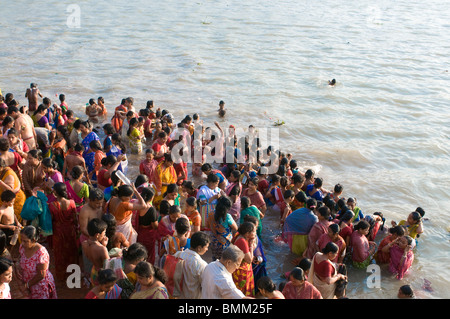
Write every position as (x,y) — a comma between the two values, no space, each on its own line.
(194,265)
(217,280)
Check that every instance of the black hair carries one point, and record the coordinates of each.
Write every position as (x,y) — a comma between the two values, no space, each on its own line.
(407,290)
(106,276)
(212,178)
(362,224)
(31,232)
(301,197)
(147,194)
(338,188)
(174,209)
(191,201)
(76,172)
(182,226)
(96,226)
(146,269)
(109,129)
(124,191)
(305,264)
(297,273)
(7,196)
(5,264)
(309,173)
(199,239)
(266,283)
(330,248)
(36,153)
(245,202)
(111,224)
(96,194)
(318,182)
(334,228)
(4,144)
(421,211)
(3,241)
(61,190)
(246,227)
(222,207)
(311,203)
(397,230)
(164,207)
(135,253)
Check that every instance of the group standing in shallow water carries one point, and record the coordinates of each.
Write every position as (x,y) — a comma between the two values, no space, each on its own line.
(132,239)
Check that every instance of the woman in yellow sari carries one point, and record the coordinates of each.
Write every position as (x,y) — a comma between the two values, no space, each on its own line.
(164,175)
(10,180)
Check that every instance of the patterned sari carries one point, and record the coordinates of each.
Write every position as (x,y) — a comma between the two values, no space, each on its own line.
(220,239)
(243,276)
(64,238)
(20,195)
(163,175)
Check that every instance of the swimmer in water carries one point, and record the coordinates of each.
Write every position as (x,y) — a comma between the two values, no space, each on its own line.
(332,82)
(222,109)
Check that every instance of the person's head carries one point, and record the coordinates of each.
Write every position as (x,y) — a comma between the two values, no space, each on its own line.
(252,219)
(111,224)
(323,213)
(174,213)
(289,195)
(13,111)
(200,242)
(305,264)
(101,100)
(212,181)
(265,285)
(397,231)
(182,227)
(351,203)
(222,207)
(62,97)
(331,250)
(85,126)
(60,190)
(405,241)
(96,198)
(47,101)
(106,280)
(7,123)
(34,157)
(141,181)
(29,235)
(147,194)
(168,160)
(309,174)
(297,277)
(171,192)
(362,227)
(405,291)
(247,230)
(95,146)
(206,168)
(191,203)
(164,207)
(338,189)
(301,198)
(134,254)
(333,231)
(8,197)
(4,144)
(311,203)
(414,218)
(146,274)
(421,211)
(149,154)
(108,128)
(97,228)
(6,270)
(125,193)
(77,172)
(232,258)
(162,137)
(49,165)
(318,182)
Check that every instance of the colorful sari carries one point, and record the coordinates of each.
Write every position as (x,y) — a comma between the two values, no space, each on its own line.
(220,239)
(123,215)
(80,197)
(115,293)
(147,236)
(20,195)
(308,291)
(259,270)
(399,264)
(125,282)
(92,136)
(116,121)
(135,141)
(236,207)
(360,251)
(123,166)
(163,175)
(319,228)
(243,276)
(326,290)
(154,293)
(64,238)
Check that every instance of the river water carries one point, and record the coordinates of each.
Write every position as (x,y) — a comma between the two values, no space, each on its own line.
(382,131)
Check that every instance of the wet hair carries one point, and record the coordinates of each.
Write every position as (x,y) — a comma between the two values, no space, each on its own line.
(133,121)
(338,188)
(116,137)
(297,273)
(7,196)
(31,232)
(96,226)
(147,270)
(266,283)
(5,264)
(397,230)
(199,239)
(106,276)
(135,253)
(222,207)
(309,173)
(330,248)
(407,291)
(95,194)
(246,227)
(421,211)
(318,182)
(149,104)
(62,97)
(182,226)
(61,190)
(416,217)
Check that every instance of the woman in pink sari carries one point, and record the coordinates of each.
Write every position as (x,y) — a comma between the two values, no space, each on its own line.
(299,288)
(332,235)
(362,249)
(234,191)
(402,256)
(64,240)
(77,189)
(319,228)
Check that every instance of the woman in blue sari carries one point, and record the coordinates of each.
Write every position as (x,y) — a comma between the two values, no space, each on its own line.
(87,134)
(118,148)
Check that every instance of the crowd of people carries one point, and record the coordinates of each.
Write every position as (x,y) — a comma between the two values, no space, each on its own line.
(176,230)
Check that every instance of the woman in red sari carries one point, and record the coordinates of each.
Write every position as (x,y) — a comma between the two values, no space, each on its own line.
(243,276)
(64,240)
(319,228)
(299,288)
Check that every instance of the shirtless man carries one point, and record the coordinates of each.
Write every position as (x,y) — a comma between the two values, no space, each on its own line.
(92,209)
(94,248)
(32,94)
(74,158)
(8,220)
(92,111)
(24,126)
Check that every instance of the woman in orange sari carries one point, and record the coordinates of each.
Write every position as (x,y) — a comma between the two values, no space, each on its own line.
(121,206)
(164,175)
(243,276)
(118,117)
(10,180)
(64,240)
